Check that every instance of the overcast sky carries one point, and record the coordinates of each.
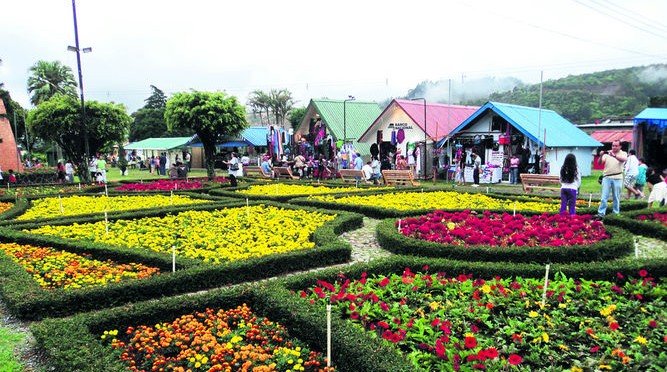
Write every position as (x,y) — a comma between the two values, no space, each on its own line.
(370,49)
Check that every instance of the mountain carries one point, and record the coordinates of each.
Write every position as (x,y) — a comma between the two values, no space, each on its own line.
(579,98)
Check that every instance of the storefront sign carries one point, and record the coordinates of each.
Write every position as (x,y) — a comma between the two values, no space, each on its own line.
(399,126)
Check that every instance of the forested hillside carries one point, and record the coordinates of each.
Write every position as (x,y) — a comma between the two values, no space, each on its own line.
(589,97)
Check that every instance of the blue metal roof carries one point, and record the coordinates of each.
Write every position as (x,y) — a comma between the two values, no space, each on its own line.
(653,116)
(532,122)
(255,135)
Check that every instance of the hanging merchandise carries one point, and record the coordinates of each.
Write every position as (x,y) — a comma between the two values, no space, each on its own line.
(393,137)
(400,137)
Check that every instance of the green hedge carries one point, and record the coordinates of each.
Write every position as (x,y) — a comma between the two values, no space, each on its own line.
(620,244)
(627,220)
(27,300)
(74,343)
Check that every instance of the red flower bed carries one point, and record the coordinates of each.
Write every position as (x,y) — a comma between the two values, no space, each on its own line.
(655,217)
(468,228)
(166,185)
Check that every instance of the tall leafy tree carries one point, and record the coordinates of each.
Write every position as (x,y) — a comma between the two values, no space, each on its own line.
(58,120)
(211,116)
(149,122)
(296,116)
(50,78)
(259,102)
(281,103)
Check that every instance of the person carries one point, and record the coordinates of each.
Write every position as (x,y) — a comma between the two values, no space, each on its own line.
(12,177)
(631,170)
(460,169)
(640,182)
(92,167)
(401,163)
(658,189)
(61,172)
(570,180)
(358,161)
(101,169)
(69,171)
(173,171)
(612,177)
(377,169)
(234,169)
(368,172)
(182,171)
(299,165)
(245,159)
(477,165)
(188,162)
(266,165)
(514,169)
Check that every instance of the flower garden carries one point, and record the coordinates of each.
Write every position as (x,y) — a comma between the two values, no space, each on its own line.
(576,294)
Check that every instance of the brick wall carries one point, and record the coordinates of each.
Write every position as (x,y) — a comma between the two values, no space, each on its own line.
(8,150)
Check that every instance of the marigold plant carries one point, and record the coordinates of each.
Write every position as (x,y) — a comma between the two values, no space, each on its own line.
(222,340)
(213,236)
(444,323)
(437,200)
(74,205)
(53,269)
(281,189)
(4,207)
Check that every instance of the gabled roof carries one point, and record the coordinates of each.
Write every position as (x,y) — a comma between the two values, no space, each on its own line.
(441,118)
(654,116)
(610,135)
(160,143)
(255,135)
(532,122)
(359,115)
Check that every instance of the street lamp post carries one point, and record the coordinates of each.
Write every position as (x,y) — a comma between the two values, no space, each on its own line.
(424,162)
(78,51)
(349,98)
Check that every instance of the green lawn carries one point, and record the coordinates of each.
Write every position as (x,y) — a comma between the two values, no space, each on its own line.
(9,340)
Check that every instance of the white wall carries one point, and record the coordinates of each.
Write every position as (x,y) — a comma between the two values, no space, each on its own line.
(393,119)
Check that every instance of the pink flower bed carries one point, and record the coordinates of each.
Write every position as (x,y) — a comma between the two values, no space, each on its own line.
(166,185)
(654,217)
(467,228)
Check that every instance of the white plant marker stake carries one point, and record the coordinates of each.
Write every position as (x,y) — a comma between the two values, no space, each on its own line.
(79,185)
(106,192)
(61,204)
(546,281)
(329,336)
(171,197)
(399,225)
(247,209)
(176,186)
(173,258)
(356,184)
(515,208)
(590,197)
(487,189)
(636,249)
(106,221)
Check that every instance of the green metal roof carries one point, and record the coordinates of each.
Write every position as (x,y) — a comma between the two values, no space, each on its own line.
(159,143)
(359,115)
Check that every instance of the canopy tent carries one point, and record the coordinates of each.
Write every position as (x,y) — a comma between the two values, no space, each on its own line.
(650,136)
(161,144)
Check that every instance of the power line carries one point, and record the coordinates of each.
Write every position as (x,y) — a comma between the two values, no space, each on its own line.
(620,19)
(628,13)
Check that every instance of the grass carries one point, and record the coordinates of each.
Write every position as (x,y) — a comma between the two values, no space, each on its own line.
(9,340)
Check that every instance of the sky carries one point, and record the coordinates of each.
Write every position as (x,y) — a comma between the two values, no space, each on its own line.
(372,50)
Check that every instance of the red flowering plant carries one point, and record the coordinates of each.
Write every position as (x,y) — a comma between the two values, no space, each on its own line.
(444,323)
(167,185)
(466,228)
(657,217)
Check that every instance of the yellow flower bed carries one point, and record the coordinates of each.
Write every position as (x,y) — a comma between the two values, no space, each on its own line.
(74,205)
(437,200)
(213,236)
(282,189)
(52,268)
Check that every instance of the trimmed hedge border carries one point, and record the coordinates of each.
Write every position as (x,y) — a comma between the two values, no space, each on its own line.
(74,343)
(27,300)
(620,244)
(627,220)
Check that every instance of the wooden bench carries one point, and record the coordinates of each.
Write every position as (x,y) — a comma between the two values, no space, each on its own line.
(284,172)
(254,171)
(350,176)
(539,181)
(399,177)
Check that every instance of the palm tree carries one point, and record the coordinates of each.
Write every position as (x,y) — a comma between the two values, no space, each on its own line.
(260,101)
(49,79)
(281,102)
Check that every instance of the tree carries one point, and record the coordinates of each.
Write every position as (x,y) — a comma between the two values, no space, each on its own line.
(296,116)
(59,120)
(281,103)
(260,102)
(49,79)
(211,116)
(149,120)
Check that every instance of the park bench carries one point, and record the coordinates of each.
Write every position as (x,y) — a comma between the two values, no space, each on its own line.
(284,172)
(255,171)
(399,177)
(350,176)
(539,182)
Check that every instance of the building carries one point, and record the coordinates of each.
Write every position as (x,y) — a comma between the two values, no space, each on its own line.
(541,138)
(9,153)
(650,136)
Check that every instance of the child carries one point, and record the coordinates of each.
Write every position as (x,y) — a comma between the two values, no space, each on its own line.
(570,180)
